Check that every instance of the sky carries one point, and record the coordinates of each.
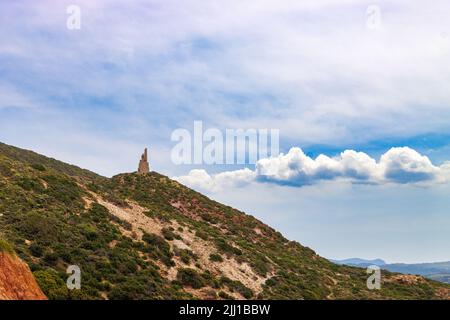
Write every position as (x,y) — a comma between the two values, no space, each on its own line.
(357,89)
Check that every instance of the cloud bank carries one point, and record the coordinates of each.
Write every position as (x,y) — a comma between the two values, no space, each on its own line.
(401,165)
(310,67)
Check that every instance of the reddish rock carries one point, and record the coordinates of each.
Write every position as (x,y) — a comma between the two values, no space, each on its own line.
(16,280)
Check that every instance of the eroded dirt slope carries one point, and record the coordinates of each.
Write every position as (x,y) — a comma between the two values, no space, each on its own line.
(16,280)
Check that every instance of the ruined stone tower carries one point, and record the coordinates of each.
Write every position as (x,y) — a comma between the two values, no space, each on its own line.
(144,167)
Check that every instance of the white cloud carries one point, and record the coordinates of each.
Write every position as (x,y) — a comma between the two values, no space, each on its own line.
(199,179)
(296,168)
(405,165)
(309,67)
(12,98)
(398,165)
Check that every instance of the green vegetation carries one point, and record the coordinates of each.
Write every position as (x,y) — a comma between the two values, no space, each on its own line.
(191,278)
(215,257)
(5,247)
(224,247)
(169,234)
(158,248)
(224,295)
(186,255)
(201,234)
(237,286)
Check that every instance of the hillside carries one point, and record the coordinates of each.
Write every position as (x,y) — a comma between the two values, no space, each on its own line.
(149,237)
(362,263)
(439,271)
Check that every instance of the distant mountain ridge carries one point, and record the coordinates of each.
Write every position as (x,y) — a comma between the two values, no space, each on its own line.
(439,271)
(360,262)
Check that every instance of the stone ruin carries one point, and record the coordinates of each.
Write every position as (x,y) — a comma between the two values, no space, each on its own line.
(144,167)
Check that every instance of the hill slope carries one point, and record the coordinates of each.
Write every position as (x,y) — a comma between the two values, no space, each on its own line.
(439,271)
(362,263)
(149,237)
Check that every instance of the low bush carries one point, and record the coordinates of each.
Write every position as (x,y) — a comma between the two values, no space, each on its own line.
(237,286)
(5,247)
(158,248)
(36,250)
(169,234)
(191,278)
(215,257)
(202,235)
(224,247)
(224,295)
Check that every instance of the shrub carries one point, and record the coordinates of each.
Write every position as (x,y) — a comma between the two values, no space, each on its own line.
(5,247)
(149,214)
(201,234)
(30,184)
(124,224)
(168,234)
(38,167)
(90,232)
(5,170)
(224,295)
(51,284)
(98,213)
(63,189)
(235,285)
(51,258)
(35,225)
(130,290)
(260,265)
(154,240)
(223,246)
(215,257)
(158,248)
(186,255)
(209,218)
(36,250)
(190,277)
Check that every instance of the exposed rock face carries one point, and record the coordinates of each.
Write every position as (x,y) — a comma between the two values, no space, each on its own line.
(144,167)
(16,280)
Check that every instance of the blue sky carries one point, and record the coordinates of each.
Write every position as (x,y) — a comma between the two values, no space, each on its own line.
(137,70)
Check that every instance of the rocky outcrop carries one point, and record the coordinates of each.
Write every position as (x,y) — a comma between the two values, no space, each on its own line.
(16,280)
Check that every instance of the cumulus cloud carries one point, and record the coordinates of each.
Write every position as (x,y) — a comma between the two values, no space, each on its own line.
(405,165)
(296,168)
(398,165)
(309,67)
(200,179)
